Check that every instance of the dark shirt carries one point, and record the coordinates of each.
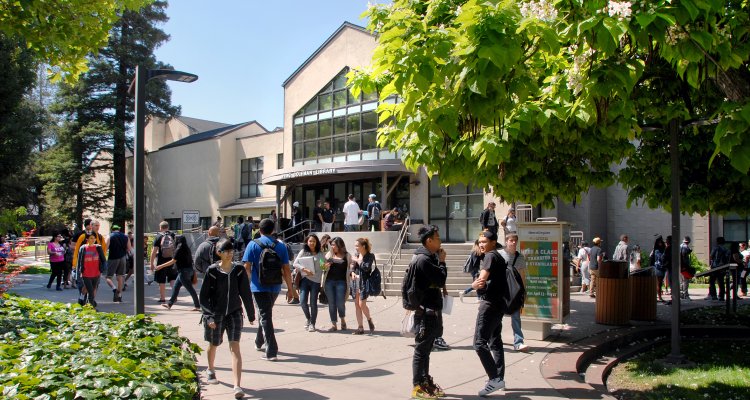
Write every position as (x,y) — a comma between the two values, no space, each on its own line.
(328,216)
(317,211)
(497,286)
(118,245)
(429,277)
(370,207)
(338,270)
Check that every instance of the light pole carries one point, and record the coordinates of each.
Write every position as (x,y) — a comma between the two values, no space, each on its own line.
(143,75)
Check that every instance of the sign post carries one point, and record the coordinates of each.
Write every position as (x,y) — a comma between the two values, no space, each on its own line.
(546,249)
(191,217)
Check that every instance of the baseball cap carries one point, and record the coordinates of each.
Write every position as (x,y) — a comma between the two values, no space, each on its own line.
(296,204)
(372,196)
(490,235)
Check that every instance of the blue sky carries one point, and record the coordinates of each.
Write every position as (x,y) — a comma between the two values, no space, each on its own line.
(243,50)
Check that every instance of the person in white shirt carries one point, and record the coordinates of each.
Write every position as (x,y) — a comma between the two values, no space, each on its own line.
(351,215)
(509,223)
(583,256)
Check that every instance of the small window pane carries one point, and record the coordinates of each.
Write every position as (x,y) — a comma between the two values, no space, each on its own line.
(311,130)
(298,132)
(260,164)
(324,147)
(369,140)
(311,149)
(312,106)
(339,145)
(352,123)
(352,143)
(369,120)
(244,191)
(326,101)
(339,125)
(372,96)
(352,98)
(326,128)
(298,151)
(245,179)
(280,161)
(339,98)
(339,112)
(340,81)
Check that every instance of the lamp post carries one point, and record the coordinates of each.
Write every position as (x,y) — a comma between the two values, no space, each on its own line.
(143,75)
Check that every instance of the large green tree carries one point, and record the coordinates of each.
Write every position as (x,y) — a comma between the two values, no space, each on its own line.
(538,99)
(63,33)
(97,111)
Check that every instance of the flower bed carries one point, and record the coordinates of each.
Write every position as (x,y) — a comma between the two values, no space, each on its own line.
(61,351)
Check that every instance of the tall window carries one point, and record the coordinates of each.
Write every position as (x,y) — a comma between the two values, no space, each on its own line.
(337,126)
(736,228)
(251,172)
(280,161)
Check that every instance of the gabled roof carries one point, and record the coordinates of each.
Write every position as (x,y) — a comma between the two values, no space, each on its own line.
(201,125)
(214,133)
(343,26)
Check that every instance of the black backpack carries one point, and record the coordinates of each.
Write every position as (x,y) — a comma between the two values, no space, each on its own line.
(516,290)
(245,232)
(376,212)
(411,295)
(269,264)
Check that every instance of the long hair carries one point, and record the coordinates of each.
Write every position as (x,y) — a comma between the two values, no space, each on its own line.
(365,244)
(317,244)
(340,245)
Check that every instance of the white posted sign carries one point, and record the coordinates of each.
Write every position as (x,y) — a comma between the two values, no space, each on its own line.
(191,217)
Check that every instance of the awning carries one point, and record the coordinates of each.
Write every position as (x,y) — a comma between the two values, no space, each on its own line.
(317,173)
(248,205)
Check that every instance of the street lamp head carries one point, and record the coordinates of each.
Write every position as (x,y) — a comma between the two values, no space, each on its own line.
(172,75)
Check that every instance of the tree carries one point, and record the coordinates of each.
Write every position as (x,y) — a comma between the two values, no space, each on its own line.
(63,33)
(10,221)
(537,99)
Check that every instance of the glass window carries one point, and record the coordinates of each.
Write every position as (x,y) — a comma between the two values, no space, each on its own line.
(339,144)
(298,132)
(352,98)
(325,128)
(298,151)
(312,106)
(352,123)
(326,101)
(437,207)
(369,140)
(458,188)
(311,149)
(280,161)
(339,125)
(436,189)
(340,81)
(369,120)
(251,174)
(339,98)
(372,96)
(311,130)
(324,148)
(352,143)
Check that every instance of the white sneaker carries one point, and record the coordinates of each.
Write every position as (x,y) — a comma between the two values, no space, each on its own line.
(492,385)
(211,377)
(264,357)
(311,328)
(260,348)
(522,347)
(461,295)
(238,392)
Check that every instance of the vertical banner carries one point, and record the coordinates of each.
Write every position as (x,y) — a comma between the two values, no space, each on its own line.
(541,245)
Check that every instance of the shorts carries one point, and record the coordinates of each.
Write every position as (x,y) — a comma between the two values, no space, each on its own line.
(231,323)
(117,266)
(165,274)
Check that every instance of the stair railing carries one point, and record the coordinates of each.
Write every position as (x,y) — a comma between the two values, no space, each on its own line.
(396,251)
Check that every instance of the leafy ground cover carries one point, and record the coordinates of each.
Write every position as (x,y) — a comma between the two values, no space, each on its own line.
(62,351)
(717,315)
(29,269)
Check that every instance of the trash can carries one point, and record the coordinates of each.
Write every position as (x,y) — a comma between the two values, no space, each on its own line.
(643,295)
(613,294)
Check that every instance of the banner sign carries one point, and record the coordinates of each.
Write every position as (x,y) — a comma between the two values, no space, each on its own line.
(541,244)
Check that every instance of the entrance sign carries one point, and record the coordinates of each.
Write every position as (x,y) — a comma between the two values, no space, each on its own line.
(191,217)
(545,247)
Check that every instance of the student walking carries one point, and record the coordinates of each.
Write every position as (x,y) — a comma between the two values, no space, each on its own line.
(337,280)
(91,263)
(362,265)
(56,253)
(225,290)
(309,285)
(183,258)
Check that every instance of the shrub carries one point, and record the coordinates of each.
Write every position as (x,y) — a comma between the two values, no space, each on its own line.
(62,351)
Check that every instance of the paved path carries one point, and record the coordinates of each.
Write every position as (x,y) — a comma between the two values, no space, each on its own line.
(319,365)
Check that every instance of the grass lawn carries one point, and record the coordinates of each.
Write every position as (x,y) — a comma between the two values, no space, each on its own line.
(722,369)
(32,269)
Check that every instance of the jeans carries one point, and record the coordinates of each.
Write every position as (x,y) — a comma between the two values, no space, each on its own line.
(515,323)
(487,340)
(264,302)
(585,273)
(351,228)
(429,327)
(184,278)
(713,279)
(308,287)
(336,290)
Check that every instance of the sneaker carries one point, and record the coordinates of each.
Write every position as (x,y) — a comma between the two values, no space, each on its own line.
(307,324)
(59,289)
(260,348)
(311,328)
(440,344)
(461,295)
(421,392)
(114,298)
(433,387)
(124,287)
(265,357)
(492,385)
(521,347)
(238,392)
(294,301)
(211,377)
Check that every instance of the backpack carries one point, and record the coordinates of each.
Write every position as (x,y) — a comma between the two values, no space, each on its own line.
(269,264)
(376,212)
(411,295)
(167,246)
(245,232)
(199,266)
(373,283)
(516,290)
(652,259)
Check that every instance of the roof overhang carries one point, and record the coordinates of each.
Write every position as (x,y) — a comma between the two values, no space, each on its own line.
(320,173)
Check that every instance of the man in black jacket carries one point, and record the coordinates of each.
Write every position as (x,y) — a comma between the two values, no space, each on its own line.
(488,218)
(429,279)
(492,288)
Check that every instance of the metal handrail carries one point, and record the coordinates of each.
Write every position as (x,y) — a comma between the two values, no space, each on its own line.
(309,223)
(396,251)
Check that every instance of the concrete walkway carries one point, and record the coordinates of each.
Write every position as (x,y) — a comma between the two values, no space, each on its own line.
(320,365)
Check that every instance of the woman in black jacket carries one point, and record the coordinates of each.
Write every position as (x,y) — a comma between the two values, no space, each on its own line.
(183,257)
(361,267)
(225,284)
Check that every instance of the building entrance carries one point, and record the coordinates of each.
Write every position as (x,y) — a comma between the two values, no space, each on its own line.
(455,211)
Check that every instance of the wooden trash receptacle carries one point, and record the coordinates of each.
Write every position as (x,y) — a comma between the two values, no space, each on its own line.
(643,295)
(613,294)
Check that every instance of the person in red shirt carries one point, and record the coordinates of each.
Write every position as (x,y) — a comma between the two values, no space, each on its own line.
(90,268)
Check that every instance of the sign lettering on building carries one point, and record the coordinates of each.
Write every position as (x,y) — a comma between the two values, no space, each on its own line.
(311,172)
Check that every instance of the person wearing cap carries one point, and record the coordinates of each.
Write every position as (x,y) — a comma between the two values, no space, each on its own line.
(265,295)
(295,223)
(488,219)
(488,341)
(351,215)
(595,260)
(686,271)
(117,263)
(373,217)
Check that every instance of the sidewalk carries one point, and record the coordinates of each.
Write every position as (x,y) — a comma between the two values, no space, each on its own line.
(340,365)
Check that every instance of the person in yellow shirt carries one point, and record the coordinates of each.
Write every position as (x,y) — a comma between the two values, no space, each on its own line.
(92,227)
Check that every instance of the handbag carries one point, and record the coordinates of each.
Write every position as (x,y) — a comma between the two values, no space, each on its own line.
(322,298)
(447,304)
(408,327)
(373,283)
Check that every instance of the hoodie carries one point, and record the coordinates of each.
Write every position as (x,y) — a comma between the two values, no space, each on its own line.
(203,254)
(430,276)
(221,293)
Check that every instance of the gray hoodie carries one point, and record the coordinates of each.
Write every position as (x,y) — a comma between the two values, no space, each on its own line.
(203,257)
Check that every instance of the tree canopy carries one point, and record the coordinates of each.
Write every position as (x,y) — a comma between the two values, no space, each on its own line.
(539,99)
(63,33)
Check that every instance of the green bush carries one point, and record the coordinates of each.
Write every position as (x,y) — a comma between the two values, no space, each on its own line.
(62,351)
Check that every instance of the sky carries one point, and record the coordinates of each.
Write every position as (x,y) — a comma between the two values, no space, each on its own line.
(243,50)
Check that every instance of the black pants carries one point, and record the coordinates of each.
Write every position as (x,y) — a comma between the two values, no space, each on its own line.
(91,284)
(184,278)
(264,302)
(374,225)
(487,340)
(429,327)
(57,269)
(713,279)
